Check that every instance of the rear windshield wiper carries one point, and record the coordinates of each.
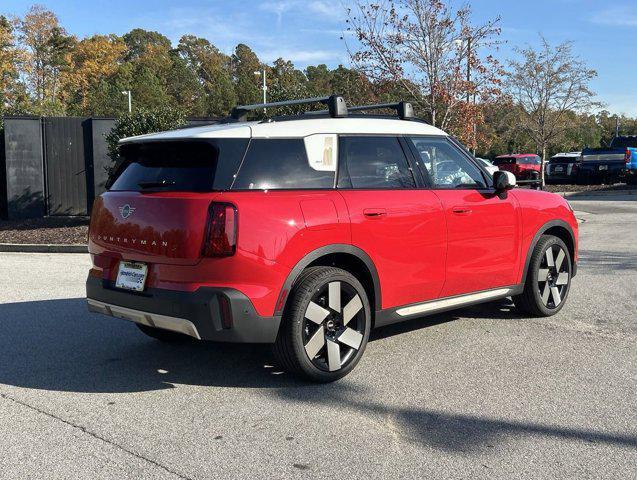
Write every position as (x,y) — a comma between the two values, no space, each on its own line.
(163,183)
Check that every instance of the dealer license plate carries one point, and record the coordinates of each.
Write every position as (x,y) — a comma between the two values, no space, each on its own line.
(559,169)
(603,167)
(132,276)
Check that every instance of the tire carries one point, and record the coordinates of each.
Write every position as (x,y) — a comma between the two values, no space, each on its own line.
(163,335)
(325,326)
(548,279)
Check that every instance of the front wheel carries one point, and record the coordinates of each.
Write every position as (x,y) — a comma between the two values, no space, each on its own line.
(325,326)
(548,279)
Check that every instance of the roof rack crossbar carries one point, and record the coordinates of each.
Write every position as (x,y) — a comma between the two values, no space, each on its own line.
(404,109)
(335,103)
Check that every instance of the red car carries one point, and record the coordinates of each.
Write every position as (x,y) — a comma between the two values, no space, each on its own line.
(525,166)
(308,231)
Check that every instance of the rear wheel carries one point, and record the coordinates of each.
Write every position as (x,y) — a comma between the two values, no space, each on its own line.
(548,279)
(326,325)
(163,335)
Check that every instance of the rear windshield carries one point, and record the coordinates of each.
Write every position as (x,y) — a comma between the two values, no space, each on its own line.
(504,161)
(192,166)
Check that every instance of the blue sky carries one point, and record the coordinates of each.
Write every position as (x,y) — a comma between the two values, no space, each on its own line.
(307,32)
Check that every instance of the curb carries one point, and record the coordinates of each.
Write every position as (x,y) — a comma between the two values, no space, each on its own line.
(42,248)
(597,193)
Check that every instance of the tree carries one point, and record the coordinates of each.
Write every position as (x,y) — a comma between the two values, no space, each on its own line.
(12,91)
(427,48)
(138,41)
(140,122)
(213,70)
(47,45)
(90,61)
(247,85)
(549,84)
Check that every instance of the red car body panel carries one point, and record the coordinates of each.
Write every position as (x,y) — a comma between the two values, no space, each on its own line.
(483,241)
(404,233)
(424,244)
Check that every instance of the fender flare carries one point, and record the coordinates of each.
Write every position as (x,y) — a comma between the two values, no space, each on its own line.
(320,252)
(536,238)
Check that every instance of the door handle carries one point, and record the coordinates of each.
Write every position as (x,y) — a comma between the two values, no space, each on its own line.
(461,210)
(374,212)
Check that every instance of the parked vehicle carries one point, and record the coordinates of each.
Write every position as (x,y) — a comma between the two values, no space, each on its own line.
(307,231)
(525,166)
(602,165)
(629,145)
(488,166)
(563,167)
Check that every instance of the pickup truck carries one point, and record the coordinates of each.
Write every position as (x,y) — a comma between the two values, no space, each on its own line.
(628,144)
(602,165)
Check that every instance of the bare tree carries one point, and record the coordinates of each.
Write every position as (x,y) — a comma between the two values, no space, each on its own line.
(549,84)
(428,49)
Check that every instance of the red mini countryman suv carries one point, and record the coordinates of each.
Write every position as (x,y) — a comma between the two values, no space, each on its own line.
(307,231)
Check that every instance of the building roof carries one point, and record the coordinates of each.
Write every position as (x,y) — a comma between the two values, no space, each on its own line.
(295,128)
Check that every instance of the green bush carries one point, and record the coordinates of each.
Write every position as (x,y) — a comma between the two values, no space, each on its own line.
(140,122)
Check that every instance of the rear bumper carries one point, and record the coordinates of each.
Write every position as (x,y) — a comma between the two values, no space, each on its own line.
(197,314)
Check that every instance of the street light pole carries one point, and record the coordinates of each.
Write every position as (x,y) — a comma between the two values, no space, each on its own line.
(130,103)
(264,87)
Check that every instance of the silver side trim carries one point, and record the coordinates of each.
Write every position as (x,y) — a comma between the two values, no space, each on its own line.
(451,302)
(175,324)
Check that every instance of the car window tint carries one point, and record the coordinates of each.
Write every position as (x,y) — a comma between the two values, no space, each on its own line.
(375,162)
(272,164)
(447,167)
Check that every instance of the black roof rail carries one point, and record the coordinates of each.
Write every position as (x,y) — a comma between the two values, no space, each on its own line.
(404,110)
(336,106)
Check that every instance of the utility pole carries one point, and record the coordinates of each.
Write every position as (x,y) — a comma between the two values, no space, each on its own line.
(130,103)
(616,126)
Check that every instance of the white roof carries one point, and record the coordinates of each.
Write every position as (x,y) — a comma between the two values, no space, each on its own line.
(296,129)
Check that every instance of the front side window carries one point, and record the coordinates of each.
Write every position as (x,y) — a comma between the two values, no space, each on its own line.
(283,163)
(446,166)
(374,163)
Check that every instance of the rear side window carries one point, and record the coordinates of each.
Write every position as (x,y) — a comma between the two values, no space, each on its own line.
(374,163)
(272,164)
(191,166)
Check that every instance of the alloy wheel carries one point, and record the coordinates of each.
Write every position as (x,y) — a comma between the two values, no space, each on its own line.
(553,276)
(333,326)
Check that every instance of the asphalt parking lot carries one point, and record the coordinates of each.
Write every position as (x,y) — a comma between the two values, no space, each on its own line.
(474,393)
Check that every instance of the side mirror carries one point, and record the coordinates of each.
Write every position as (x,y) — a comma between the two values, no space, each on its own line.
(503,180)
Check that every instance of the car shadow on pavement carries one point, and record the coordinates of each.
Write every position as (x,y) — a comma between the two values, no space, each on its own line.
(442,430)
(57,345)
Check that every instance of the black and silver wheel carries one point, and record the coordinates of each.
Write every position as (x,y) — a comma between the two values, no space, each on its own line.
(326,325)
(548,279)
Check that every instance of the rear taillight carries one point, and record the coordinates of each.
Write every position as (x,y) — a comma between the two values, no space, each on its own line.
(627,157)
(574,168)
(220,239)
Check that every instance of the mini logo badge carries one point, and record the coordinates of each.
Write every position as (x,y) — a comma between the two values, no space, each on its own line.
(126,211)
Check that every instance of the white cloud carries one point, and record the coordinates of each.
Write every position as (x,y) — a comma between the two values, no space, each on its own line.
(278,7)
(300,56)
(616,16)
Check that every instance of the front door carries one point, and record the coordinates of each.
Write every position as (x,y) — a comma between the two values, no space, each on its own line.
(401,227)
(483,230)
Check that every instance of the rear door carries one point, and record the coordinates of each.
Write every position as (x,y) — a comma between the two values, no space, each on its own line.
(483,230)
(157,206)
(399,225)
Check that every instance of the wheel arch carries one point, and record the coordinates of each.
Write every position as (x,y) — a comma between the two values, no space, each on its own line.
(348,257)
(559,229)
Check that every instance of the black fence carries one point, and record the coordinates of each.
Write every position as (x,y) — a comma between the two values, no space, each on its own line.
(54,165)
